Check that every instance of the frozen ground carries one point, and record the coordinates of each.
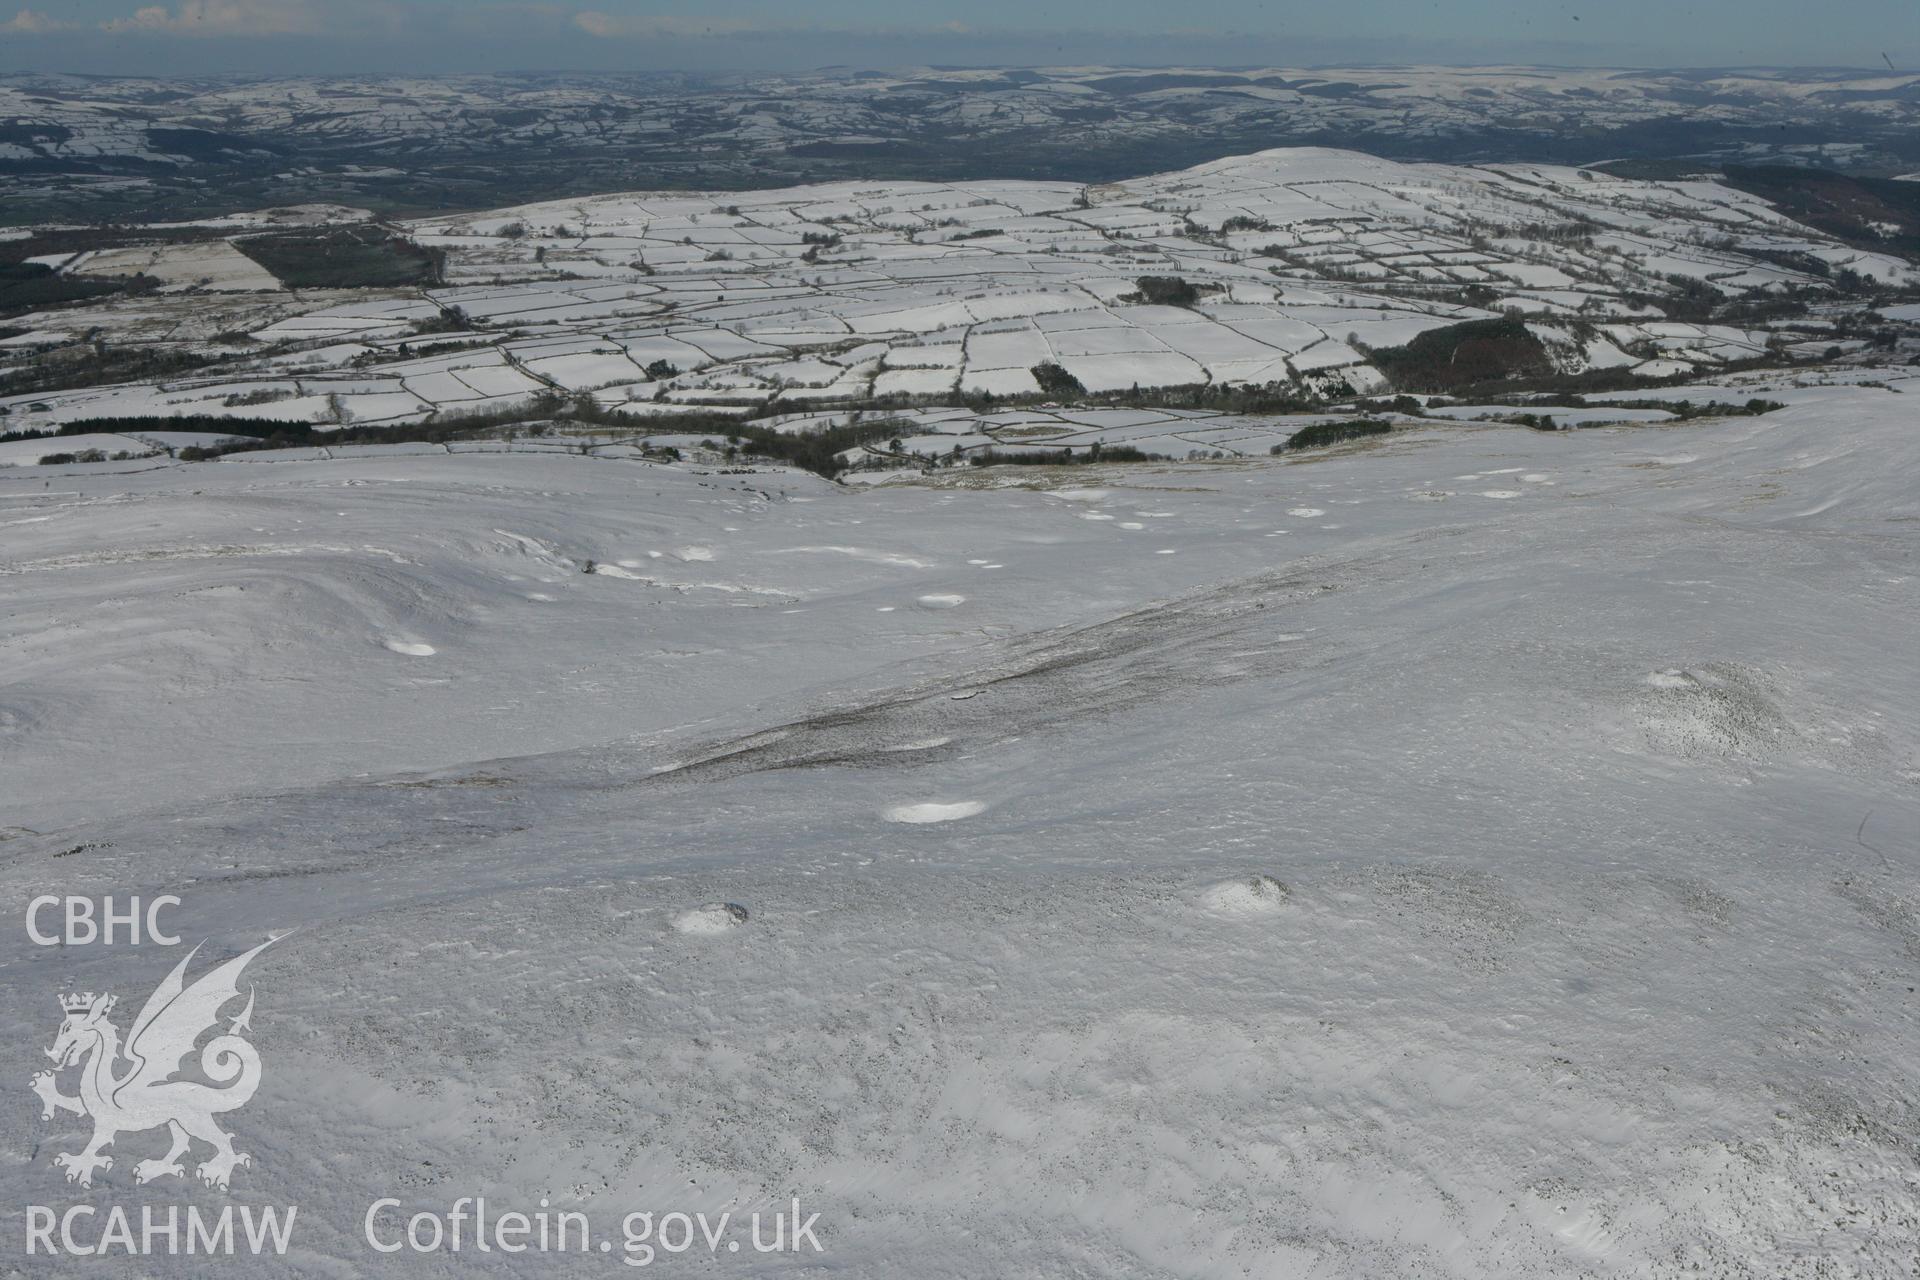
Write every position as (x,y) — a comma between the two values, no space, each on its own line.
(1582,765)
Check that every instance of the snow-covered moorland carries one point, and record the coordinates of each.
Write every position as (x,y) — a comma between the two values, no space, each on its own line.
(1472,852)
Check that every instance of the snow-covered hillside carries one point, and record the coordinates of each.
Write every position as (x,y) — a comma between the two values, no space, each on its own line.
(1476,852)
(1299,265)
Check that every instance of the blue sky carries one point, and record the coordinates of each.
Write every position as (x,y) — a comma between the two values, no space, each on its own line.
(192,36)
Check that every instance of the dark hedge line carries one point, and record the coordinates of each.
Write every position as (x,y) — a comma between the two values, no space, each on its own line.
(1321,434)
(1058,457)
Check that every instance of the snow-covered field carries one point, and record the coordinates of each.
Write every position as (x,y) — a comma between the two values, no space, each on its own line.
(217,267)
(1478,852)
(28,453)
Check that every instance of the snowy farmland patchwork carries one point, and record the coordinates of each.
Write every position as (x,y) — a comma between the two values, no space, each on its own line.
(1292,267)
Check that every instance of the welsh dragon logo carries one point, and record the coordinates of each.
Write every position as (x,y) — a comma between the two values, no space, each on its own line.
(155,1088)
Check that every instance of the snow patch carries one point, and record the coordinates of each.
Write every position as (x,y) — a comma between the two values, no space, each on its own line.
(931,811)
(1255,895)
(714,917)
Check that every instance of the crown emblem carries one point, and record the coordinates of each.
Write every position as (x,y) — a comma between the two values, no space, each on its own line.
(76,1001)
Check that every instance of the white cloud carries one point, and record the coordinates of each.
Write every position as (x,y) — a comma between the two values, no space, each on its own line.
(221,18)
(33,22)
(613,26)
(597,24)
